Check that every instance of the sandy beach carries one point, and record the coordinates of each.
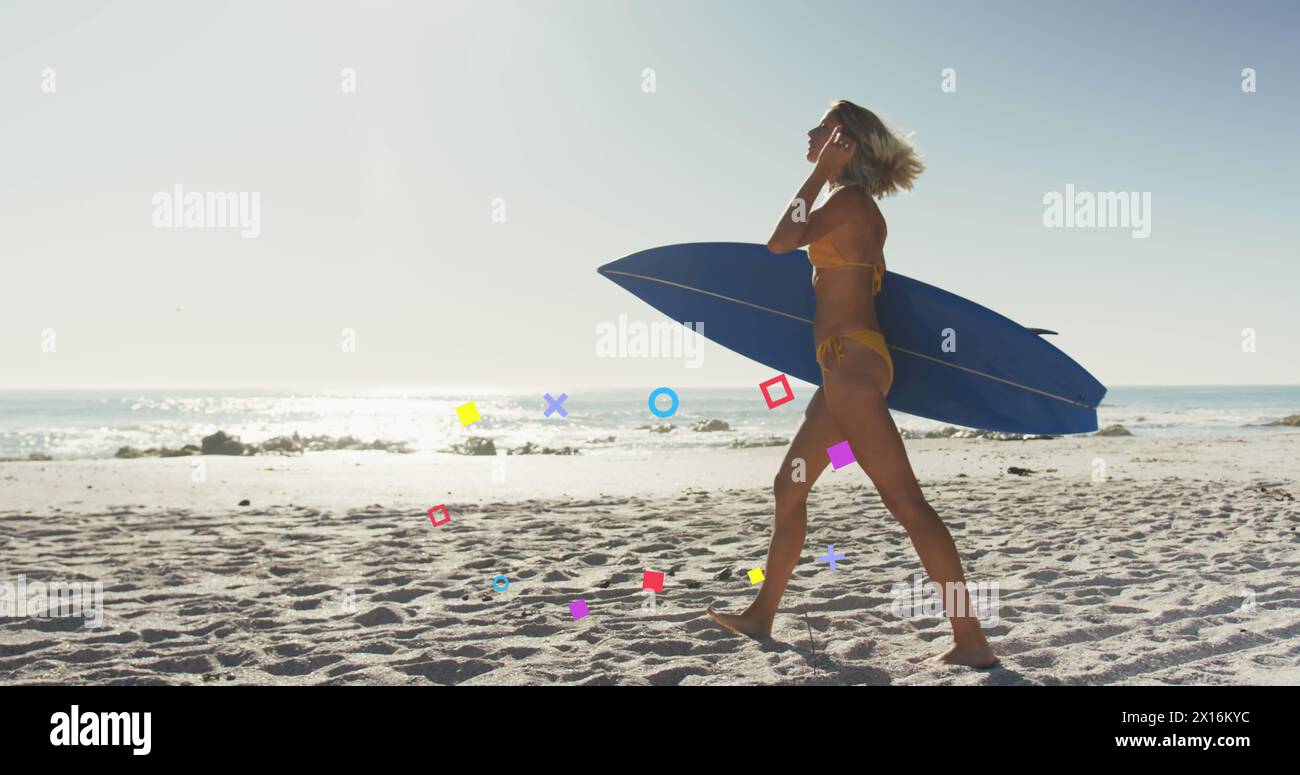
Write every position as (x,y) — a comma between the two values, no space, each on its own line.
(1180,567)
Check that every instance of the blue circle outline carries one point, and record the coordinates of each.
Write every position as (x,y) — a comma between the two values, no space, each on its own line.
(659,392)
(500,589)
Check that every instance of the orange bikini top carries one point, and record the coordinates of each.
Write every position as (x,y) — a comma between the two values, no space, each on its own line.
(822,254)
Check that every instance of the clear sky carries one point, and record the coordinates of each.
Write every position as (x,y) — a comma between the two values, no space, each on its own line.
(376,206)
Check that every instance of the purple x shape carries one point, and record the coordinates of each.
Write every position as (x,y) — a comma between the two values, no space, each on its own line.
(555,405)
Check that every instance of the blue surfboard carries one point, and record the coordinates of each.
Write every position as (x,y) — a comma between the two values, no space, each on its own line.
(1000,377)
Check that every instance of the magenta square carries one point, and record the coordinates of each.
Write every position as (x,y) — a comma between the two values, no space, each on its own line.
(579,609)
(841,455)
(785,385)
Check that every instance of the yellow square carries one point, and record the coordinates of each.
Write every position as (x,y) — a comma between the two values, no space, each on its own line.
(756,575)
(467,413)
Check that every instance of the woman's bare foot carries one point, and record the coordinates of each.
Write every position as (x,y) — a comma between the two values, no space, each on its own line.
(741,624)
(980,657)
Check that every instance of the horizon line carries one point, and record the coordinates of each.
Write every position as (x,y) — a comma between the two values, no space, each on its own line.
(517,390)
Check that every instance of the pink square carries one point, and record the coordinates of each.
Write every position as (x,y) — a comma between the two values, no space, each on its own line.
(841,455)
(443,509)
(653,580)
(579,609)
(785,384)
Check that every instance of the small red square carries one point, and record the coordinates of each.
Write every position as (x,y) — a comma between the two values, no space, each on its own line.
(653,580)
(785,384)
(443,509)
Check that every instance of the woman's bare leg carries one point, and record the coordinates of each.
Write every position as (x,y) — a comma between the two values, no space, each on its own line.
(855,393)
(789,525)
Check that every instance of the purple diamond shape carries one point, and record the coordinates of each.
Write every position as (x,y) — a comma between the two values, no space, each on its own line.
(841,455)
(579,609)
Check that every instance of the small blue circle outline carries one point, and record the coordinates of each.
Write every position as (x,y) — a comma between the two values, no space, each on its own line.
(659,392)
(500,589)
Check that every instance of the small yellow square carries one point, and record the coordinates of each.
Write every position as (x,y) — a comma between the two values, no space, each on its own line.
(756,575)
(467,413)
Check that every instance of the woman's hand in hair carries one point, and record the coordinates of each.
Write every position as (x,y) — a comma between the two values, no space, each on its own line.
(837,152)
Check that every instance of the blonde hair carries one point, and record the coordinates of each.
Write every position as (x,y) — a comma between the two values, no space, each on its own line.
(884,163)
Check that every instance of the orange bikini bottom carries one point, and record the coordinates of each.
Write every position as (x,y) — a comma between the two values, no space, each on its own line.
(873,339)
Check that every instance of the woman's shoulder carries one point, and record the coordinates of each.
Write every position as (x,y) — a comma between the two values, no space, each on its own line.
(854,205)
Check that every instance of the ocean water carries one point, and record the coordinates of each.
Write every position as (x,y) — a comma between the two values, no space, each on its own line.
(94,424)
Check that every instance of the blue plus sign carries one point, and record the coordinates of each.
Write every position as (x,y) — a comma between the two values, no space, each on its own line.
(830,556)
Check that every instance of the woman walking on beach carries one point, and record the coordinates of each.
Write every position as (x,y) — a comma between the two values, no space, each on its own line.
(861,159)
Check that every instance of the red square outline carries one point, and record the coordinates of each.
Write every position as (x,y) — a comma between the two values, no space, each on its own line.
(444,511)
(785,383)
